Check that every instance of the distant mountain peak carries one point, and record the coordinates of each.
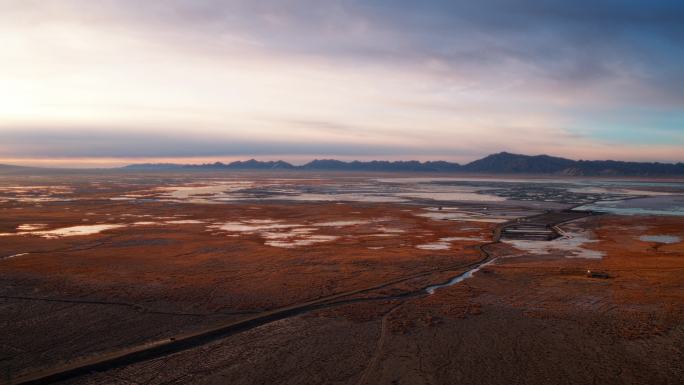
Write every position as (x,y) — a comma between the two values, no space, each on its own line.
(505,162)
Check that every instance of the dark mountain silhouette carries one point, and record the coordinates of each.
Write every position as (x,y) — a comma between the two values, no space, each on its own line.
(616,168)
(156,166)
(501,163)
(251,164)
(380,165)
(505,162)
(255,164)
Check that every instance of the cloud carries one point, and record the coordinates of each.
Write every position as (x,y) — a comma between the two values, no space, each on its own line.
(116,142)
(349,78)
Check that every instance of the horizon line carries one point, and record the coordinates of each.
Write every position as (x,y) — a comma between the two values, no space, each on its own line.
(178,162)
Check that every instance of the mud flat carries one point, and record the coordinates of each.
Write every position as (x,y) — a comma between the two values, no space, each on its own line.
(523,311)
(672,205)
(167,276)
(166,264)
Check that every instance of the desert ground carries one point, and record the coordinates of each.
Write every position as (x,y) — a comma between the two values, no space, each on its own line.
(256,278)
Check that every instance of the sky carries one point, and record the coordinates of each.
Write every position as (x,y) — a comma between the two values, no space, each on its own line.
(99,83)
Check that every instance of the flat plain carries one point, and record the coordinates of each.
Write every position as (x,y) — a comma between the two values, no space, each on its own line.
(303,278)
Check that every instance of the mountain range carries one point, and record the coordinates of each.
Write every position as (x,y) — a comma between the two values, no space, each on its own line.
(501,163)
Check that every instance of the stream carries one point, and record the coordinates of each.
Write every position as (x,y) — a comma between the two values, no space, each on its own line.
(459,278)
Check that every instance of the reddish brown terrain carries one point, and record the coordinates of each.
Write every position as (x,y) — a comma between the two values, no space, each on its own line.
(351,273)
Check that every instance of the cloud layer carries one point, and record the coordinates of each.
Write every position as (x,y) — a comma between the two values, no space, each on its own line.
(366,79)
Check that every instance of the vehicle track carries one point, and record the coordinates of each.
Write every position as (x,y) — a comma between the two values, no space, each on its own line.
(137,307)
(378,347)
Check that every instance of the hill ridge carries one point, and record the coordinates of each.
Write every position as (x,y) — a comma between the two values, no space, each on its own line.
(499,163)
